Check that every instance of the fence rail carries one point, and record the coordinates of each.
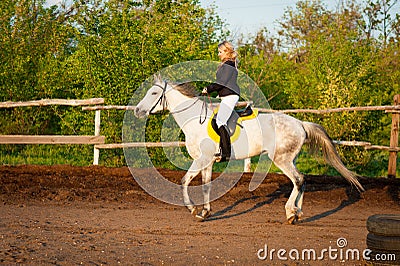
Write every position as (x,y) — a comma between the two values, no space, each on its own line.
(140,145)
(46,102)
(99,141)
(51,139)
(386,108)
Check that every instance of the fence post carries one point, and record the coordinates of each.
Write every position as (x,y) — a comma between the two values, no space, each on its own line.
(394,140)
(96,151)
(247,165)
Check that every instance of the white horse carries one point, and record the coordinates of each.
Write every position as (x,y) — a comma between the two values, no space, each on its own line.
(276,134)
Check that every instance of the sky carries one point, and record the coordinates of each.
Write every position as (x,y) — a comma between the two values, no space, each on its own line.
(247,17)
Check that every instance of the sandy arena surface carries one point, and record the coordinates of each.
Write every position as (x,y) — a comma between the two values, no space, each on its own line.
(67,215)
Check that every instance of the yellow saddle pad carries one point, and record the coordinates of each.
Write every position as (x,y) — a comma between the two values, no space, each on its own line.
(215,137)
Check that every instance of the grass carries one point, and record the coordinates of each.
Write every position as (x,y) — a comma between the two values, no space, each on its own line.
(79,155)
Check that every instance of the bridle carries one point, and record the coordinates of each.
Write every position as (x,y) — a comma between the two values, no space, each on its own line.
(163,101)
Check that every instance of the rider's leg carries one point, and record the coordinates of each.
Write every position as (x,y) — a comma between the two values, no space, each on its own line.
(224,144)
(225,110)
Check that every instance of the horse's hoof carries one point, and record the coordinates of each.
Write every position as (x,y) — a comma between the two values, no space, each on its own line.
(203,215)
(293,219)
(199,218)
(299,215)
(193,211)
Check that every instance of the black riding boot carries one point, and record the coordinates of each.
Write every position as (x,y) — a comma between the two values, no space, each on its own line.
(224,144)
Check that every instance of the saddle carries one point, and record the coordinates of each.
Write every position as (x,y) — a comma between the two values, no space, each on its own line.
(233,119)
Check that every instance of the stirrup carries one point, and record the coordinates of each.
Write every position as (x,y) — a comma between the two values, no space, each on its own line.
(219,157)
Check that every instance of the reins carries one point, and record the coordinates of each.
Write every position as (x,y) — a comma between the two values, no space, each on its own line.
(186,108)
(162,100)
(203,106)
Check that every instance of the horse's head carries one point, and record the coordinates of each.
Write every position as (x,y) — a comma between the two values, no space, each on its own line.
(154,100)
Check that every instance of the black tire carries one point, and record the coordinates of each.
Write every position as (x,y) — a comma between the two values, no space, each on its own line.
(384,224)
(383,243)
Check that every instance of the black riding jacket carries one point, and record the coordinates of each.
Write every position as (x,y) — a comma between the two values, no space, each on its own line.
(226,82)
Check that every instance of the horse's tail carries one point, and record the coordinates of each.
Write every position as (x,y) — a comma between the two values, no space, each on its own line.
(319,138)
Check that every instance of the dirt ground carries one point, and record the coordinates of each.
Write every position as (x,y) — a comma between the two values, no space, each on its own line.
(68,215)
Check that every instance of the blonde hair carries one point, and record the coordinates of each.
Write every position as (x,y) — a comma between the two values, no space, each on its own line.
(228,48)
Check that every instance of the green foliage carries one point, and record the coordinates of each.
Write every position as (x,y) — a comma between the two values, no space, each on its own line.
(32,43)
(93,49)
(121,43)
(267,67)
(324,59)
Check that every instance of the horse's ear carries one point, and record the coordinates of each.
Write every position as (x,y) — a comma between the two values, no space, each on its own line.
(157,77)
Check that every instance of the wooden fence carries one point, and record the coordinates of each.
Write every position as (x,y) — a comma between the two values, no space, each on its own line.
(99,141)
(52,139)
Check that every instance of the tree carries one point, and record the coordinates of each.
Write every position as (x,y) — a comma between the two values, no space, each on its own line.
(32,45)
(326,59)
(264,62)
(122,43)
(378,19)
(93,48)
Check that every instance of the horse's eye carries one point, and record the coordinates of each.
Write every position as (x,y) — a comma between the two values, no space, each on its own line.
(154,93)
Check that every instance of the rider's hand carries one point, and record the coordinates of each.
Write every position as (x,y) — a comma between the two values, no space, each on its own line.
(204,90)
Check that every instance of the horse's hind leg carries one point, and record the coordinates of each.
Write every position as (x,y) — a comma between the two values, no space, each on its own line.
(294,204)
(299,199)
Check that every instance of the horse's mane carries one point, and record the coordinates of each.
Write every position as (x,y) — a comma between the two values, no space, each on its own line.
(187,89)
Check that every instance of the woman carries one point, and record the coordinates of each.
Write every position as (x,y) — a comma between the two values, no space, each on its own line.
(229,92)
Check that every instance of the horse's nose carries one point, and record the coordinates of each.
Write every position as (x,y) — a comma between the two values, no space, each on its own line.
(137,110)
(139,113)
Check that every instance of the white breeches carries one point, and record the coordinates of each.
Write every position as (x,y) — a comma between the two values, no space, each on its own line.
(226,108)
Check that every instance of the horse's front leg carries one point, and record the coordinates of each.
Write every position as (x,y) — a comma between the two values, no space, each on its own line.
(187,178)
(206,187)
(204,155)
